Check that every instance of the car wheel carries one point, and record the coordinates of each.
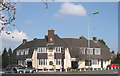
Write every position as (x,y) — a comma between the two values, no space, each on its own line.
(34,71)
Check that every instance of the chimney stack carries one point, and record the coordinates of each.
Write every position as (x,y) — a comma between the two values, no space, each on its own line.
(35,38)
(50,36)
(24,41)
(95,38)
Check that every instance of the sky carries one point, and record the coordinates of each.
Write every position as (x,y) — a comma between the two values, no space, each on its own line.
(68,19)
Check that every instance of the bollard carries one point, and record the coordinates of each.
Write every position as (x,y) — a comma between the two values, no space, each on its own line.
(80,70)
(111,68)
(66,70)
(84,69)
(108,68)
(60,70)
(96,68)
(93,69)
(115,67)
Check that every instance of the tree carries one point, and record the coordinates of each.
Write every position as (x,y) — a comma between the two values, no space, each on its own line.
(118,58)
(9,55)
(4,58)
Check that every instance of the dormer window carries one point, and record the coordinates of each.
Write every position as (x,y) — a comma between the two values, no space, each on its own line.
(97,51)
(23,51)
(26,51)
(58,49)
(42,50)
(90,51)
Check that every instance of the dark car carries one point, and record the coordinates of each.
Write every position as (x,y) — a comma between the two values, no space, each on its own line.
(112,66)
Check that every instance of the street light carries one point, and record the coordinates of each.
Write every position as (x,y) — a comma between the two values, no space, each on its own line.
(89,26)
(89,33)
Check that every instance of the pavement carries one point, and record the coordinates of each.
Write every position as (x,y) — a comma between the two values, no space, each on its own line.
(82,72)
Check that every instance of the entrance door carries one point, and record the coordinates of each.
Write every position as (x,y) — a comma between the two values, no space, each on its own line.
(74,64)
(101,63)
(29,64)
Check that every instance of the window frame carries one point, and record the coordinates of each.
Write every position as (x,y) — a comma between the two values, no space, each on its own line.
(58,49)
(42,50)
(97,51)
(90,50)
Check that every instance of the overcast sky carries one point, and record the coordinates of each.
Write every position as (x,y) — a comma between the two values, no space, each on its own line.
(69,20)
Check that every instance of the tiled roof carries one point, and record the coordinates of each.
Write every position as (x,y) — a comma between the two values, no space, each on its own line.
(72,43)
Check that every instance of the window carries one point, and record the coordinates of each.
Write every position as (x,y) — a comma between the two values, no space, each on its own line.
(18,52)
(58,49)
(22,52)
(21,62)
(42,61)
(98,61)
(26,51)
(83,50)
(42,50)
(57,61)
(94,62)
(89,50)
(87,62)
(97,51)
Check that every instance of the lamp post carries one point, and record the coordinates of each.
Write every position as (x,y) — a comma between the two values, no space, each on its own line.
(89,33)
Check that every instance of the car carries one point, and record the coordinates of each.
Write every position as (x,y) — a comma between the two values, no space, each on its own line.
(9,67)
(25,70)
(112,66)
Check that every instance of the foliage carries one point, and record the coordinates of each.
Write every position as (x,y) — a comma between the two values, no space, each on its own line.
(102,41)
(10,55)
(4,58)
(116,60)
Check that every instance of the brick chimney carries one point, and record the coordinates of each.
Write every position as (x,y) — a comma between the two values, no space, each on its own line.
(95,38)
(35,38)
(82,37)
(24,41)
(50,36)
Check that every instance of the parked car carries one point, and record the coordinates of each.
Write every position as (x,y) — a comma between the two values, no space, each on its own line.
(25,70)
(9,67)
(112,66)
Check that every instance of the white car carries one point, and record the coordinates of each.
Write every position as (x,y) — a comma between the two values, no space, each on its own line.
(25,70)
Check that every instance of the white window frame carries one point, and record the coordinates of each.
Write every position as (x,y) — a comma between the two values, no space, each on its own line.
(42,50)
(26,51)
(42,61)
(18,52)
(57,61)
(22,52)
(21,62)
(83,50)
(97,51)
(90,51)
(94,62)
(58,49)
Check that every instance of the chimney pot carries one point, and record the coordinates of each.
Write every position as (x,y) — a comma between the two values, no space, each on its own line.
(35,38)
(95,38)
(24,40)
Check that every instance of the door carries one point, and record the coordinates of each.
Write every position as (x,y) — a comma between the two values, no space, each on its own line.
(101,63)
(29,64)
(74,64)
